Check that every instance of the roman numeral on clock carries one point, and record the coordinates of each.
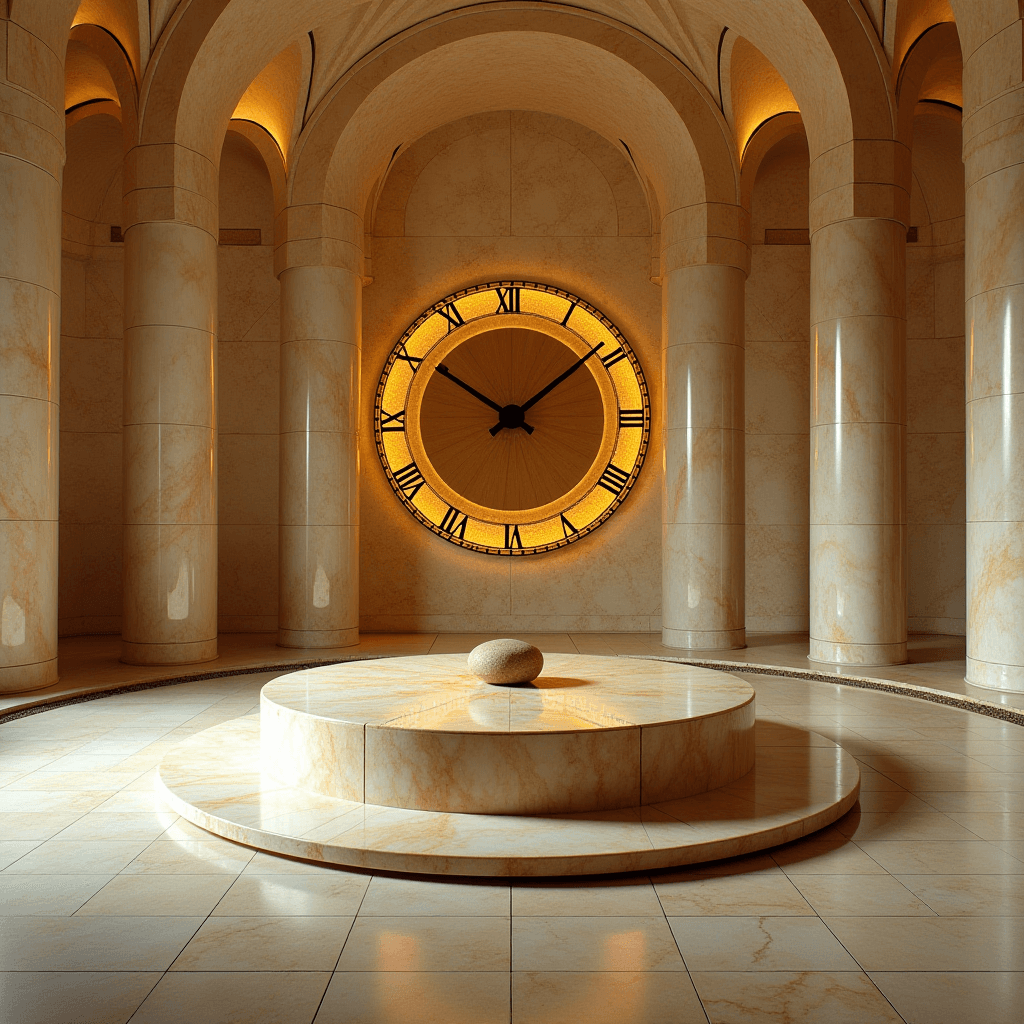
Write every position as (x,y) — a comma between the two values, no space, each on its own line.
(452,315)
(631,417)
(568,313)
(413,361)
(512,538)
(508,300)
(453,525)
(567,528)
(396,421)
(409,480)
(613,479)
(612,358)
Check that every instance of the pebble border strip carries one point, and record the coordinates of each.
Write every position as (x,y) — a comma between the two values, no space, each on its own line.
(979,707)
(153,684)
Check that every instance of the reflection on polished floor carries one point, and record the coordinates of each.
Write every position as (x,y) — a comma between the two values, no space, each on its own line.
(909,908)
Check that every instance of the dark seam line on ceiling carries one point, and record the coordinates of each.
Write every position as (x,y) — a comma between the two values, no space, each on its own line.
(312,68)
(721,42)
(762,124)
(87,103)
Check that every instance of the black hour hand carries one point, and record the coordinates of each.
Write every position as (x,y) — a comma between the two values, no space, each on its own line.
(505,420)
(445,372)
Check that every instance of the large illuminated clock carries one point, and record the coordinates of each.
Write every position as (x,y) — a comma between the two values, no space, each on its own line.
(512,418)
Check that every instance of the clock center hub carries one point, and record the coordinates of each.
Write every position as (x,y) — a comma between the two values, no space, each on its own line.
(512,416)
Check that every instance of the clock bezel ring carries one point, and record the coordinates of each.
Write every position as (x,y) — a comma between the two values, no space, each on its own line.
(441,329)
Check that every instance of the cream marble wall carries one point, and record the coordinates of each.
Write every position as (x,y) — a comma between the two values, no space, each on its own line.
(510,195)
(778,397)
(936,530)
(503,195)
(89,591)
(248,352)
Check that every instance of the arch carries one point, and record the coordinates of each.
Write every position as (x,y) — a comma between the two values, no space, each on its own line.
(827,52)
(276,96)
(841,88)
(126,20)
(444,69)
(266,145)
(908,21)
(937,44)
(105,47)
(753,91)
(761,143)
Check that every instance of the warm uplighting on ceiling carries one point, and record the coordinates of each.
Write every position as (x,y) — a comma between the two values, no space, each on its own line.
(119,18)
(914,19)
(86,77)
(758,91)
(944,80)
(272,98)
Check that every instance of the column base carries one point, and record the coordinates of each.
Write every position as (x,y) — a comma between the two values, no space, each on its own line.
(21,678)
(168,654)
(316,638)
(704,640)
(829,653)
(992,676)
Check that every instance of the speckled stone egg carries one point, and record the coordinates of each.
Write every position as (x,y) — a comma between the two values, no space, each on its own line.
(506,661)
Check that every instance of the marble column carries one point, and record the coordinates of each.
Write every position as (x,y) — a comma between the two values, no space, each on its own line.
(318,589)
(858,560)
(993,134)
(703,513)
(31,161)
(170,437)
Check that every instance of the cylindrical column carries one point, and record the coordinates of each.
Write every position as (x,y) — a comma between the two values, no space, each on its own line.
(703,512)
(319,503)
(994,257)
(858,561)
(170,449)
(31,158)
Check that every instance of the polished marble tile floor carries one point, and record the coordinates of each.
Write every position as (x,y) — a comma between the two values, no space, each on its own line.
(909,908)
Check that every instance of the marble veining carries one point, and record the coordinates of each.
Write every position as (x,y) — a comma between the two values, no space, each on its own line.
(588,734)
(801,783)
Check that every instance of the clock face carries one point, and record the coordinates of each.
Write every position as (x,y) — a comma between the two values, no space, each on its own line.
(512,418)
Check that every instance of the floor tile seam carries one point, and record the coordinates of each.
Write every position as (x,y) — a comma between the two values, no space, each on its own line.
(675,941)
(146,997)
(337,963)
(863,969)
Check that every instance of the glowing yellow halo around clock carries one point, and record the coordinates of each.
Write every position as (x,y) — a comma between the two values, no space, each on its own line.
(512,418)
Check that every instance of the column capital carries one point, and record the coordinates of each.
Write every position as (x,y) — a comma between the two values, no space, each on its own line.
(318,235)
(705,233)
(861,178)
(169,182)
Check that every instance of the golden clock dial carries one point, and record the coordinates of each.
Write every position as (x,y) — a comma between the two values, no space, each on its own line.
(512,470)
(512,418)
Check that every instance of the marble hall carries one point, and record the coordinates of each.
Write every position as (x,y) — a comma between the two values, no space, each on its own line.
(677,346)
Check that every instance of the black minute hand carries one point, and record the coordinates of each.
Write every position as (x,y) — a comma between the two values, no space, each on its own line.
(558,380)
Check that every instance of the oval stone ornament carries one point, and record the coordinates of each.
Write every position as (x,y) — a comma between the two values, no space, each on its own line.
(506,661)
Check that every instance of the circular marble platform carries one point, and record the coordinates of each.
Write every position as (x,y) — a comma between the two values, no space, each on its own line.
(230,779)
(590,734)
